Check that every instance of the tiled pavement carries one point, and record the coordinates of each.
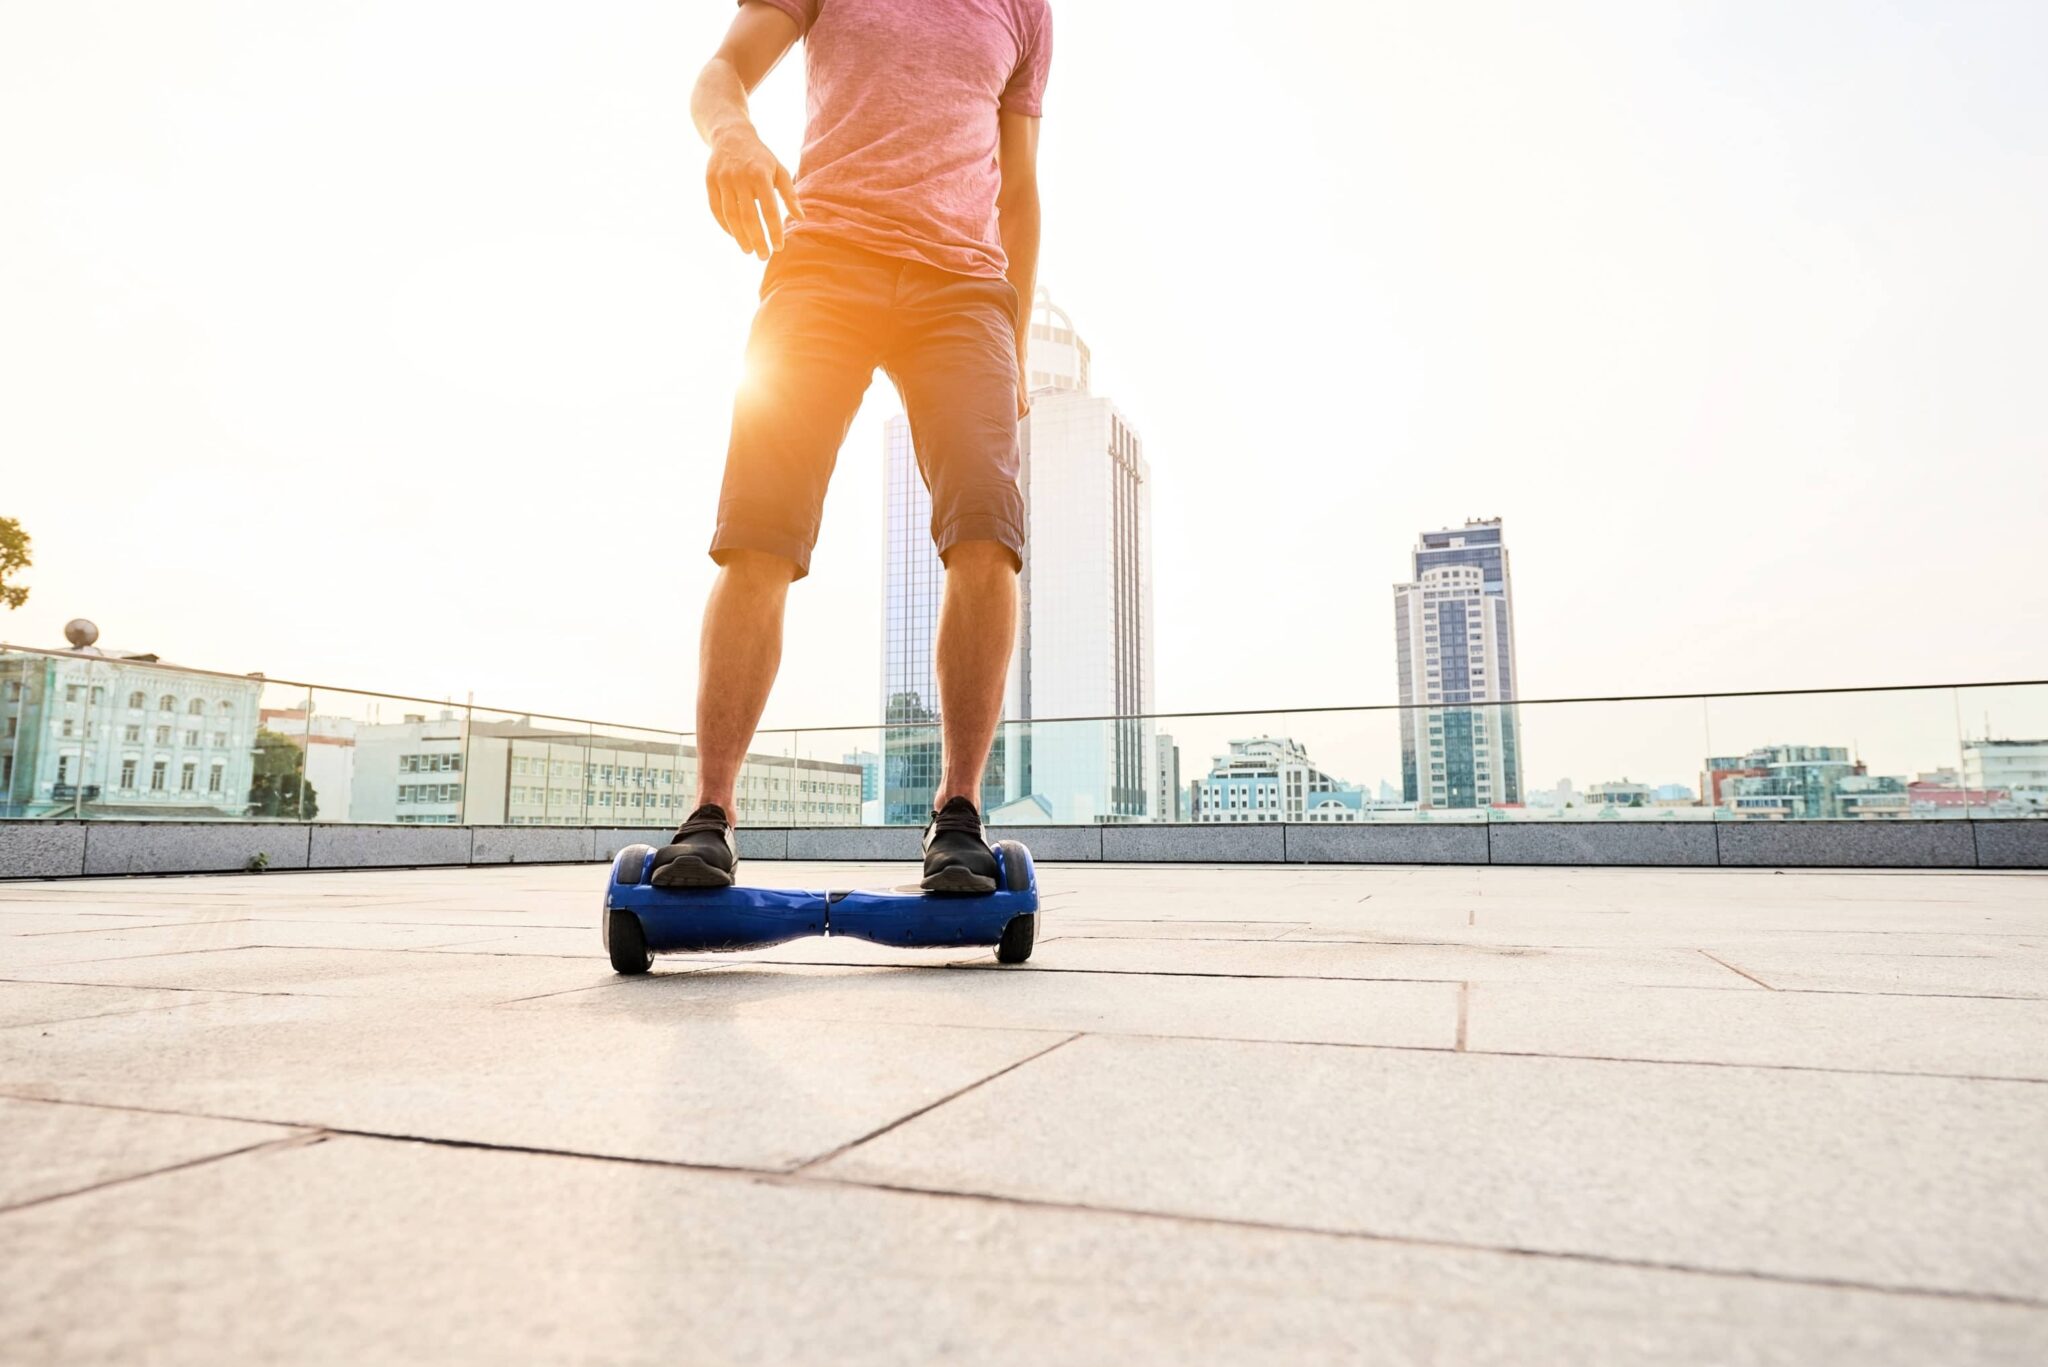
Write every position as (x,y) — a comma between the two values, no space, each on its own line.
(1251,1114)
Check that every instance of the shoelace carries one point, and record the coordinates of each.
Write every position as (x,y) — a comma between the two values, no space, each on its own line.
(698,824)
(955,820)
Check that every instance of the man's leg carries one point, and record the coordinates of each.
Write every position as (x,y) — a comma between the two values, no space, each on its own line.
(956,363)
(739,651)
(977,632)
(814,343)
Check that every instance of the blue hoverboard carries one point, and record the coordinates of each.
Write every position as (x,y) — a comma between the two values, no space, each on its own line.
(641,920)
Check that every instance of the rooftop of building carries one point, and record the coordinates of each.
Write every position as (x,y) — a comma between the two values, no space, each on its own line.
(1283,1113)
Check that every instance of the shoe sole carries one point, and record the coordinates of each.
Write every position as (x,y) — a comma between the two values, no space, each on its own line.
(688,871)
(959,882)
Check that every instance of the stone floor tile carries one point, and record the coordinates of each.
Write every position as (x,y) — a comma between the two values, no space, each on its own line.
(431,979)
(731,1090)
(1960,1036)
(354,1251)
(1410,1015)
(23,1003)
(54,1149)
(223,932)
(1647,966)
(1928,1183)
(2017,974)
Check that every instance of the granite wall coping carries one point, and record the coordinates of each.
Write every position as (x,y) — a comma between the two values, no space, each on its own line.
(532,845)
(393,846)
(1846,844)
(42,849)
(1150,843)
(56,849)
(1416,843)
(1663,843)
(2011,844)
(193,846)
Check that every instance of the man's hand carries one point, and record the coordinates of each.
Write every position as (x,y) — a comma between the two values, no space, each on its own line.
(1023,390)
(742,181)
(744,177)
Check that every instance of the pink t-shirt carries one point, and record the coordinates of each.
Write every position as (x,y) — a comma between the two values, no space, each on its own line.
(900,148)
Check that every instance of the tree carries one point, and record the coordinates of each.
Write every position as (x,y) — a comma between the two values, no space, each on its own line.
(279,778)
(14,558)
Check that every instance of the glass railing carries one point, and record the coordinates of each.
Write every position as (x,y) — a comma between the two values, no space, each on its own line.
(86,736)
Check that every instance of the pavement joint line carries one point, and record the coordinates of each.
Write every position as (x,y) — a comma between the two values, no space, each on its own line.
(599,987)
(138,987)
(968,965)
(101,1015)
(799,1177)
(294,1140)
(954,1095)
(188,924)
(310,1134)
(1739,972)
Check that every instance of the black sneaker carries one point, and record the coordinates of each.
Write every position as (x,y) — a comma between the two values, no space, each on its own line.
(702,855)
(957,857)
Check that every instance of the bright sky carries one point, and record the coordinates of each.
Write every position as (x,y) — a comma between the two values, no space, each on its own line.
(390,343)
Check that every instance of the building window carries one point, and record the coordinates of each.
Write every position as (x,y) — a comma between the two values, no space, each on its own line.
(136,699)
(192,738)
(198,708)
(6,771)
(188,777)
(98,694)
(215,776)
(220,740)
(157,773)
(227,708)
(132,734)
(70,692)
(167,703)
(128,774)
(163,735)
(63,768)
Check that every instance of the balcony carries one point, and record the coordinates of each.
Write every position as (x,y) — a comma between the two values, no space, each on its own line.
(1287,1114)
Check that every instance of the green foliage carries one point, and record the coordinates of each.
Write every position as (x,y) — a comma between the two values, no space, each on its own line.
(14,558)
(258,862)
(280,780)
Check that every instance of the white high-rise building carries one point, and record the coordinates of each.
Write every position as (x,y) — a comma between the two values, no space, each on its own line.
(1084,646)
(1454,631)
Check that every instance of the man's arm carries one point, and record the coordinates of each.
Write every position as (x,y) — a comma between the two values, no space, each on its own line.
(1017,221)
(743,176)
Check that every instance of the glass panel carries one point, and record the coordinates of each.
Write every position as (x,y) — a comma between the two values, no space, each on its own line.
(90,736)
(1336,767)
(838,776)
(2003,755)
(1608,761)
(1828,756)
(642,781)
(378,759)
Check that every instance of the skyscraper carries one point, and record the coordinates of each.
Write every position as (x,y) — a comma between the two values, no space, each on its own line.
(1454,632)
(1084,644)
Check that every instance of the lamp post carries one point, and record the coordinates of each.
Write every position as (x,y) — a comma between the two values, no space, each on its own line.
(81,634)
